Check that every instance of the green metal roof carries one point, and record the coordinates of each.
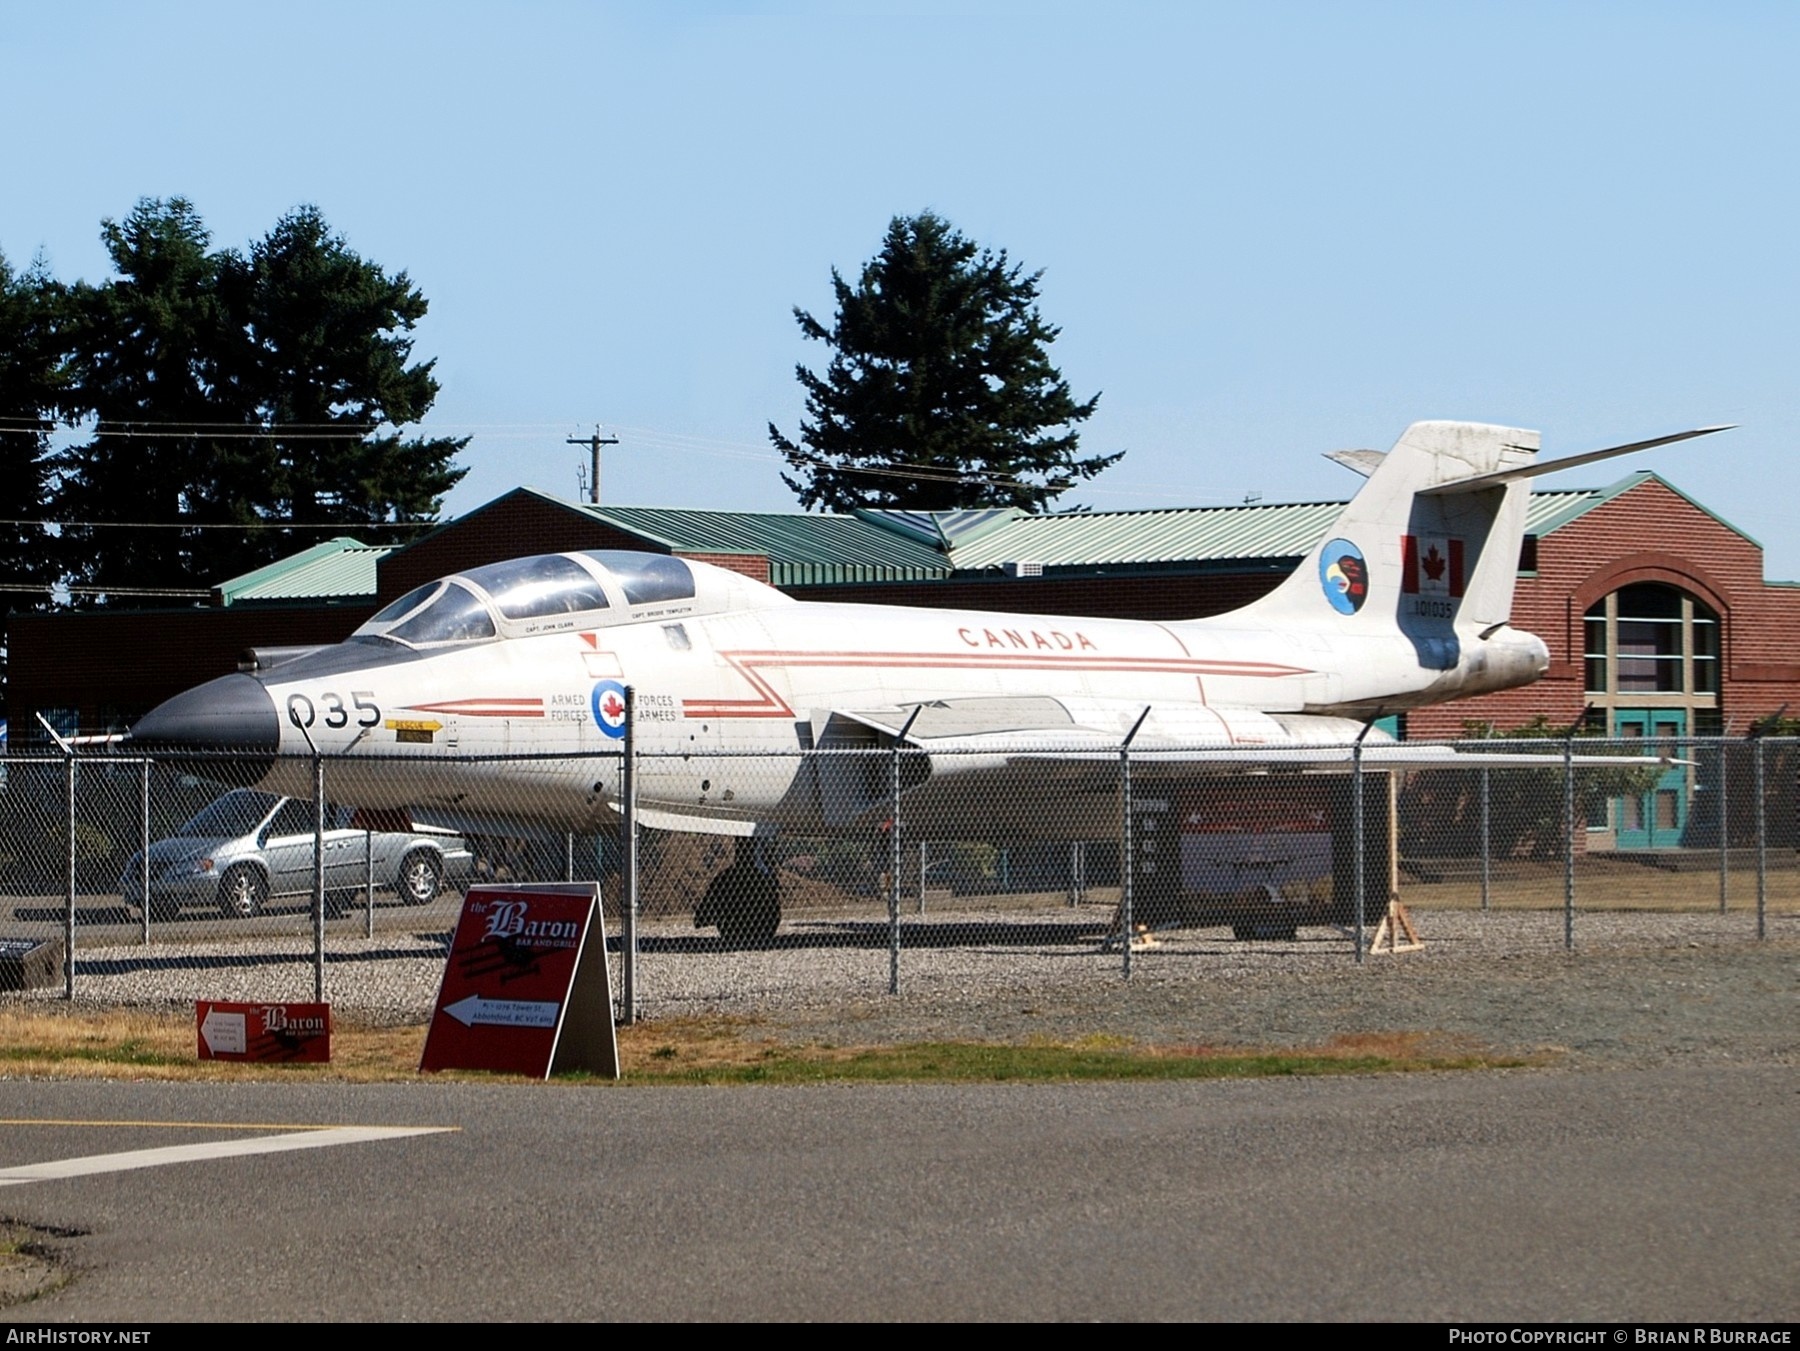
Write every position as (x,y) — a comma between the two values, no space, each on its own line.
(805,549)
(1193,534)
(1196,534)
(802,549)
(919,546)
(942,529)
(337,569)
(1547,511)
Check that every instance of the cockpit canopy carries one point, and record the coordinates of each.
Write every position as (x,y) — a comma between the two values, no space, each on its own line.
(550,593)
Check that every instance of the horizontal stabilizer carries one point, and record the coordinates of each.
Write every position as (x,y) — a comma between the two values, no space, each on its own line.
(1364,462)
(1529,471)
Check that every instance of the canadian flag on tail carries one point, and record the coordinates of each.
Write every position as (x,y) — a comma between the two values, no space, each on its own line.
(1433,565)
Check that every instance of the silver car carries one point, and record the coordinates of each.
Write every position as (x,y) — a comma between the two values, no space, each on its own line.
(248,847)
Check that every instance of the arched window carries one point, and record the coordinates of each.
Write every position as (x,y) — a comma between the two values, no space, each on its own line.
(1648,639)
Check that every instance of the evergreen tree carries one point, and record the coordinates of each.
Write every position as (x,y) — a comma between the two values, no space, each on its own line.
(144,350)
(29,390)
(243,392)
(939,392)
(328,349)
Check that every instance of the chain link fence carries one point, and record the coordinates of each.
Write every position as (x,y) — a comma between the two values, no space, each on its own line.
(242,877)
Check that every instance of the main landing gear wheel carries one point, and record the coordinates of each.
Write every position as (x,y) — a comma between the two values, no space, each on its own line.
(744,902)
(243,892)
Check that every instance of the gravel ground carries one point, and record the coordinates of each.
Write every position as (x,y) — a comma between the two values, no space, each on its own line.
(1639,988)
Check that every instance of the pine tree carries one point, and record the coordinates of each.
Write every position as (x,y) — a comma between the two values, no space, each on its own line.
(232,394)
(144,352)
(329,343)
(29,390)
(939,392)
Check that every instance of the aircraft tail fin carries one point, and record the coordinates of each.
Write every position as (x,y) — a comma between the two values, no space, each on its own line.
(1430,543)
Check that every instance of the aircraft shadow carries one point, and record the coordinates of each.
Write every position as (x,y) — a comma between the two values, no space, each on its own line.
(120,966)
(875,935)
(92,914)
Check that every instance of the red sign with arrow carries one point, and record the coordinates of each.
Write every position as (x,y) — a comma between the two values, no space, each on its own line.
(286,1033)
(526,988)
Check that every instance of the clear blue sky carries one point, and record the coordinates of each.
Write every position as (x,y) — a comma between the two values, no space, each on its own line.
(1267,230)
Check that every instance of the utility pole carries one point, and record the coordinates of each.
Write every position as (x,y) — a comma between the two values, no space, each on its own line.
(593,443)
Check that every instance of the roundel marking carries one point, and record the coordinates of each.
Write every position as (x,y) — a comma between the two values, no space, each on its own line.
(1343,576)
(609,707)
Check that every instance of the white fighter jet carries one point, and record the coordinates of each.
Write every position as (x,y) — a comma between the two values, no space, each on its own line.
(469,697)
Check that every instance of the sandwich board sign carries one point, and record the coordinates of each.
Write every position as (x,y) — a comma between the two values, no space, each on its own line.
(526,988)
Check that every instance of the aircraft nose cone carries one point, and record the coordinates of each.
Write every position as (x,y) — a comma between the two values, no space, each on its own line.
(232,713)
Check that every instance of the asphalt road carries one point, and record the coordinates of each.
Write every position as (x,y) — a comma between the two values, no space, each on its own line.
(1663,1194)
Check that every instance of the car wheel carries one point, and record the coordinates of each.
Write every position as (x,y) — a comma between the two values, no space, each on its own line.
(243,892)
(421,876)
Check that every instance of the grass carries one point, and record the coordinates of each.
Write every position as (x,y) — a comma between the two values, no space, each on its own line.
(133,1044)
(702,1053)
(143,1044)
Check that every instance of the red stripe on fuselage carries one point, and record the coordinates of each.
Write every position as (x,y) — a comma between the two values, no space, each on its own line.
(772,705)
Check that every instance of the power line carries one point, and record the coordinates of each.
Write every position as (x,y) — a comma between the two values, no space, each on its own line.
(741,450)
(535,431)
(84,425)
(233,525)
(239,424)
(108,428)
(738,450)
(333,431)
(49,589)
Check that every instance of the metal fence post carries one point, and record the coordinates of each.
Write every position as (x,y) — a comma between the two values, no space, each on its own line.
(628,865)
(318,896)
(1762,847)
(1724,823)
(144,845)
(1569,840)
(1358,845)
(369,884)
(894,855)
(69,875)
(1128,845)
(1486,835)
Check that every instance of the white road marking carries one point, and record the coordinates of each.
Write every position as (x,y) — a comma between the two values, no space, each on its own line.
(213,1149)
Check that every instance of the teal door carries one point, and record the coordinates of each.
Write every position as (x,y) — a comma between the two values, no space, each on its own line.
(1656,819)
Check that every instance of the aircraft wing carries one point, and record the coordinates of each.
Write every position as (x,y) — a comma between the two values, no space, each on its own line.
(1049,730)
(1044,766)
